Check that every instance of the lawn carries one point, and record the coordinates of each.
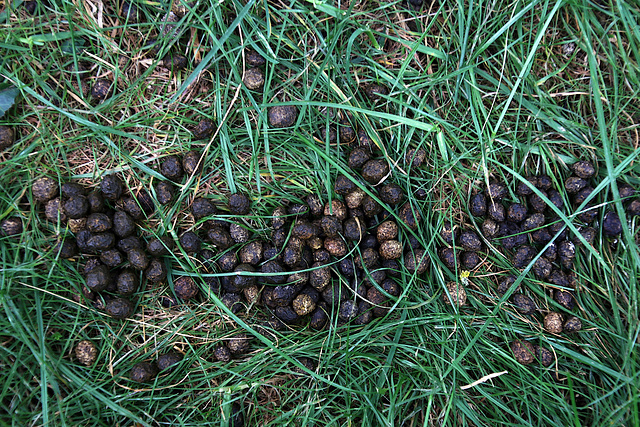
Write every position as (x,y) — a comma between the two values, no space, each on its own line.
(492,93)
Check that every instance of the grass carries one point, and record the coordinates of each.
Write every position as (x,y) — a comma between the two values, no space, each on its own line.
(489,90)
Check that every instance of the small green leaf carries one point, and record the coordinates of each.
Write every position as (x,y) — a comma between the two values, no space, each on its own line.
(73,45)
(7,98)
(328,9)
(4,16)
(41,39)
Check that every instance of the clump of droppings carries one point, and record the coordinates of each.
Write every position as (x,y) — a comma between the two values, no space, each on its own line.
(119,308)
(129,12)
(127,282)
(111,187)
(572,325)
(391,194)
(564,298)
(156,272)
(164,192)
(523,351)
(456,294)
(253,58)
(524,304)
(303,304)
(348,310)
(192,163)
(98,278)
(390,249)
(375,91)
(416,261)
(204,129)
(583,169)
(375,171)
(86,352)
(174,61)
(169,361)
(138,258)
(497,191)
(44,189)
(221,353)
(282,116)
(190,242)
(171,168)
(239,344)
(478,205)
(239,204)
(101,89)
(253,78)
(470,241)
(410,215)
(201,208)
(160,246)
(544,356)
(553,323)
(415,157)
(7,137)
(185,288)
(11,226)
(505,284)
(76,207)
(358,157)
(516,212)
(143,372)
(611,225)
(470,260)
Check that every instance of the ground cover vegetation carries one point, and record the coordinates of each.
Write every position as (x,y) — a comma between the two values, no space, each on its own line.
(319,213)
